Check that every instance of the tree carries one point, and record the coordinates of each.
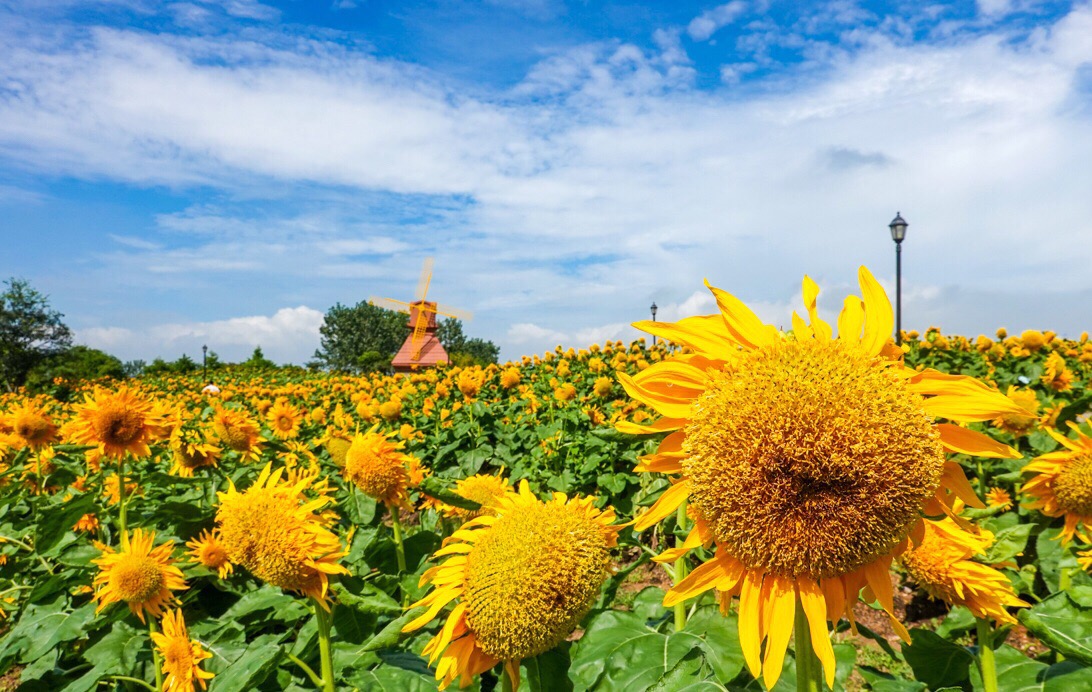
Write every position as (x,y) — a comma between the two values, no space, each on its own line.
(258,361)
(30,332)
(134,368)
(462,350)
(74,365)
(348,333)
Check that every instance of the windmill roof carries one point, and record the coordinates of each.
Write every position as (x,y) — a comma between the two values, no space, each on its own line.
(432,353)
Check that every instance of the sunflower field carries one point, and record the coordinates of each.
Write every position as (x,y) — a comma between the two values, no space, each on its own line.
(730,506)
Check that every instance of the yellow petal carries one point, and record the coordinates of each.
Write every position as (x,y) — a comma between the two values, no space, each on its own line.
(660,426)
(820,328)
(663,507)
(956,481)
(850,320)
(782,613)
(963,441)
(750,612)
(879,319)
(815,608)
(697,582)
(704,333)
(743,324)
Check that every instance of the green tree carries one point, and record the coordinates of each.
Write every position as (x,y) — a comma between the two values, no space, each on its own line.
(76,364)
(258,361)
(349,333)
(184,365)
(30,332)
(463,350)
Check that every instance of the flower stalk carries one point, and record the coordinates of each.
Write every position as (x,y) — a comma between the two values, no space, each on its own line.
(986,662)
(680,567)
(324,621)
(809,672)
(157,663)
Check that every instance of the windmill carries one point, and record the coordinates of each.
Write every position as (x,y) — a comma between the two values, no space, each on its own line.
(421,348)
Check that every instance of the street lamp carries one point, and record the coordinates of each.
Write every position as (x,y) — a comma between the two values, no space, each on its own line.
(653,309)
(898,234)
(204,363)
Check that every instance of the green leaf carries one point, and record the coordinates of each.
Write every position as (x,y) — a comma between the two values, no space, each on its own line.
(57,521)
(370,599)
(1063,625)
(548,672)
(42,627)
(1018,673)
(249,670)
(359,508)
(721,636)
(1008,543)
(118,650)
(439,489)
(936,661)
(392,679)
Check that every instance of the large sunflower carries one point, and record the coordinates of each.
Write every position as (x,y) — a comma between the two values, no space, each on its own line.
(1062,484)
(273,530)
(808,460)
(181,656)
(115,422)
(378,467)
(524,578)
(141,575)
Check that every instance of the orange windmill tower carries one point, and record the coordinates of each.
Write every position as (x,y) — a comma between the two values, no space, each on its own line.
(422,348)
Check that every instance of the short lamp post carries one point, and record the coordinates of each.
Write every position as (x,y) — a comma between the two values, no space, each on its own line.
(898,234)
(653,309)
(205,363)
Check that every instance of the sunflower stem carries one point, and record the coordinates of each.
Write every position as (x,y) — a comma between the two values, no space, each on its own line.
(981,479)
(122,524)
(986,662)
(156,662)
(324,619)
(399,550)
(680,567)
(507,684)
(315,679)
(137,681)
(808,671)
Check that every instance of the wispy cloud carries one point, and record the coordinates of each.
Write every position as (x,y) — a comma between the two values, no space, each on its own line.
(702,27)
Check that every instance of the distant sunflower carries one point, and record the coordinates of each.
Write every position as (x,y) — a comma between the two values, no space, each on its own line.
(181,656)
(208,551)
(524,578)
(32,425)
(808,460)
(116,422)
(378,467)
(999,498)
(284,420)
(273,531)
(238,432)
(1062,484)
(942,566)
(141,575)
(1024,423)
(191,451)
(482,488)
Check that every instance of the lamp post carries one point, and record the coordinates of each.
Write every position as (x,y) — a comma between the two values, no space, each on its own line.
(898,234)
(204,363)
(653,309)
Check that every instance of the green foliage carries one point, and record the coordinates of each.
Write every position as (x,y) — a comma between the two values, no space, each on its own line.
(30,332)
(73,365)
(349,332)
(464,351)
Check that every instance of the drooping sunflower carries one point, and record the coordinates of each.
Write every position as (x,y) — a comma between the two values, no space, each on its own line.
(524,578)
(1062,484)
(377,466)
(141,575)
(32,424)
(284,419)
(273,531)
(809,460)
(209,551)
(190,450)
(238,432)
(941,565)
(116,422)
(181,656)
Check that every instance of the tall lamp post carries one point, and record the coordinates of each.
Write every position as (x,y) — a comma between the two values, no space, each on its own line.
(898,234)
(653,309)
(204,363)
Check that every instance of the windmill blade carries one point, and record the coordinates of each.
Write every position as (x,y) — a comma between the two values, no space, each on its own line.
(389,304)
(448,311)
(426,278)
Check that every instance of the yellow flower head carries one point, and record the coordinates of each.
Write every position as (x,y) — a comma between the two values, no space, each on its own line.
(1024,423)
(191,451)
(941,565)
(208,551)
(999,497)
(809,460)
(391,410)
(337,446)
(565,392)
(1055,373)
(378,467)
(510,378)
(141,575)
(603,387)
(1033,340)
(238,432)
(273,531)
(482,488)
(1062,484)
(32,425)
(88,523)
(284,420)
(524,578)
(470,382)
(117,422)
(181,657)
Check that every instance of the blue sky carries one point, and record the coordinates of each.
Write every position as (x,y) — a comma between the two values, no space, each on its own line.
(223,171)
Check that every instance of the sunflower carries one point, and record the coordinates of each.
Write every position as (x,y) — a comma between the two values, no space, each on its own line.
(181,657)
(141,575)
(482,488)
(191,451)
(1062,484)
(284,420)
(32,425)
(1056,374)
(941,565)
(376,465)
(238,432)
(116,422)
(524,578)
(808,460)
(1019,424)
(208,551)
(999,498)
(273,531)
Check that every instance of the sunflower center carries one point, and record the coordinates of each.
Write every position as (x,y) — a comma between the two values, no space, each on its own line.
(262,531)
(118,425)
(136,578)
(34,428)
(810,458)
(532,577)
(1073,486)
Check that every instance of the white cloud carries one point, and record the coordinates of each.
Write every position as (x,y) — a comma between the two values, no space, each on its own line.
(702,27)
(288,335)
